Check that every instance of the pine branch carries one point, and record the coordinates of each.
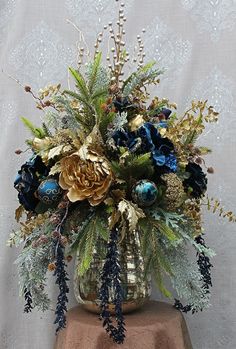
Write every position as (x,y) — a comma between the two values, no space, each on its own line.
(190,282)
(143,76)
(110,280)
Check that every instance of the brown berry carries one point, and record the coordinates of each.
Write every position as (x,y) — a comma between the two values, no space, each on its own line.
(51,266)
(55,234)
(18,151)
(69,258)
(210,170)
(198,160)
(47,103)
(64,240)
(27,89)
(104,107)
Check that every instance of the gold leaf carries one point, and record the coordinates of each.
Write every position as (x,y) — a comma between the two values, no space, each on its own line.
(131,212)
(55,169)
(58,150)
(55,151)
(113,219)
(19,212)
(109,201)
(118,194)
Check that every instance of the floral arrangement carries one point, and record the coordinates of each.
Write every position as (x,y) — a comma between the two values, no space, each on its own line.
(105,162)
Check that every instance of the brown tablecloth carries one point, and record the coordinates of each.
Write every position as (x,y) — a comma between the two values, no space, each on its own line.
(157,325)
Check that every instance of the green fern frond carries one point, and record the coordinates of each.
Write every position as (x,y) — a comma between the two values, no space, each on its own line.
(102,92)
(104,122)
(93,228)
(94,72)
(36,131)
(155,261)
(86,247)
(158,266)
(166,231)
(77,96)
(80,83)
(134,166)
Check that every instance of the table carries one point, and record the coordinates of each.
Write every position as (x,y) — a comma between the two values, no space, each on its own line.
(155,326)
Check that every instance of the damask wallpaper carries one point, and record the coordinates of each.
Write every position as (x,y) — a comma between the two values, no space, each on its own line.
(195,41)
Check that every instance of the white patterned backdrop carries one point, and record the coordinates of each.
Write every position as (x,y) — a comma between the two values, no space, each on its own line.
(195,41)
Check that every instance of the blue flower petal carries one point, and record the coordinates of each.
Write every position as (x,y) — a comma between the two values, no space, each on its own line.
(159,159)
(171,162)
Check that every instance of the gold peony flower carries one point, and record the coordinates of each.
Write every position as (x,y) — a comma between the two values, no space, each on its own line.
(86,175)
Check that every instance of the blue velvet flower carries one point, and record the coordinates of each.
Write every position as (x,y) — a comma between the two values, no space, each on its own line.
(162,124)
(27,182)
(124,139)
(165,112)
(162,149)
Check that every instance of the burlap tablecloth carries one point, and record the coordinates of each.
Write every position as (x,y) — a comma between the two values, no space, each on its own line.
(157,325)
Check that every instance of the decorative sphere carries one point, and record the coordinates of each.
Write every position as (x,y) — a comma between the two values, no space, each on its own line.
(49,191)
(145,193)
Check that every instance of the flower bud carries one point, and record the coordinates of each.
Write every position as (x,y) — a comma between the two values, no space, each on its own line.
(18,151)
(210,170)
(27,89)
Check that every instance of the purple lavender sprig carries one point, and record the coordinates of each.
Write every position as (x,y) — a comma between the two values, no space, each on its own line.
(60,265)
(61,280)
(110,279)
(28,301)
(204,265)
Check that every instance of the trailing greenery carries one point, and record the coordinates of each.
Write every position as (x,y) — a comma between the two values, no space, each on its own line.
(109,164)
(155,261)
(186,278)
(91,89)
(92,228)
(32,264)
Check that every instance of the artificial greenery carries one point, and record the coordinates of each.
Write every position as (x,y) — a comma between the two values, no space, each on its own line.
(105,163)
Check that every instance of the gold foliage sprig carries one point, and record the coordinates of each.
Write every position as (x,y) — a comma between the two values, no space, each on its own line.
(214,206)
(27,227)
(185,131)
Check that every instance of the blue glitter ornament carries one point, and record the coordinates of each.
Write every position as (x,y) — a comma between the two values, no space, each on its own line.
(49,191)
(145,193)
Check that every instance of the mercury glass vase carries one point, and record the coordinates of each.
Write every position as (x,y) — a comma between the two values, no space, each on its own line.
(136,287)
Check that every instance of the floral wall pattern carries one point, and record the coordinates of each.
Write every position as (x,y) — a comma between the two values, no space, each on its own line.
(195,41)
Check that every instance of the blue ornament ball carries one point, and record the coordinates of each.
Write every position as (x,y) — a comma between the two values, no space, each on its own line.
(49,191)
(145,193)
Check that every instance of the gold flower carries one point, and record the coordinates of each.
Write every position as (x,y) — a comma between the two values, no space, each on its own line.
(174,194)
(86,175)
(136,122)
(39,144)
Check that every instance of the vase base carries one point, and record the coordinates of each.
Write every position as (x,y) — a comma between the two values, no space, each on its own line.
(127,307)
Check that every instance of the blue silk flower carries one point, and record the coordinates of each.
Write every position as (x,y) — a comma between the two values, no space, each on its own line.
(149,140)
